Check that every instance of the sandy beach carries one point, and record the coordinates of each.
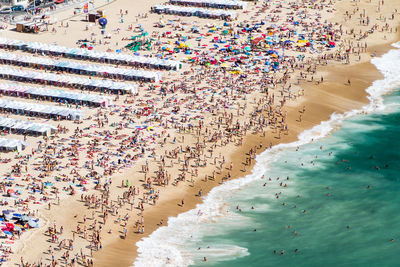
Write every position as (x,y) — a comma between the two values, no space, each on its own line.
(99,184)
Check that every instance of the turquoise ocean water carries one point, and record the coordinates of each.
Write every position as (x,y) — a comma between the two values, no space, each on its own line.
(339,208)
(331,185)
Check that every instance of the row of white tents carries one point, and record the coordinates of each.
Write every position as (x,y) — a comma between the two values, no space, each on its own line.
(32,109)
(85,54)
(193,11)
(12,144)
(26,127)
(18,90)
(222,4)
(79,68)
(67,81)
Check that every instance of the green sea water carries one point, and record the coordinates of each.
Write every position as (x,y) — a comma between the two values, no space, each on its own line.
(331,198)
(341,206)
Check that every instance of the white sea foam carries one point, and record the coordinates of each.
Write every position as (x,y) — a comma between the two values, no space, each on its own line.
(167,246)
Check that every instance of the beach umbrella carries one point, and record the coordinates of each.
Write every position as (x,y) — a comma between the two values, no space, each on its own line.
(10,226)
(25,218)
(103,21)
(33,224)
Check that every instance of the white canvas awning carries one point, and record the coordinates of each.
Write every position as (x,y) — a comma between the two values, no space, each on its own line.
(212,3)
(119,58)
(31,108)
(82,68)
(12,144)
(26,127)
(60,79)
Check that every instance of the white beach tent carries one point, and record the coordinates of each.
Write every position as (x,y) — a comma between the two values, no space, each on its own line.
(32,109)
(81,53)
(212,3)
(79,68)
(12,144)
(26,127)
(19,90)
(194,11)
(66,80)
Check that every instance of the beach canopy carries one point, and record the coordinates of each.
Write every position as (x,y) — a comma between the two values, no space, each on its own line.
(194,11)
(79,68)
(12,144)
(80,53)
(32,109)
(26,127)
(16,89)
(66,80)
(211,3)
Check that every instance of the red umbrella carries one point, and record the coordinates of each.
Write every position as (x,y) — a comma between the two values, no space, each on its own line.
(10,226)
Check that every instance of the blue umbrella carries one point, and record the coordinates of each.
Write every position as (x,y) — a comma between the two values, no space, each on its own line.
(103,22)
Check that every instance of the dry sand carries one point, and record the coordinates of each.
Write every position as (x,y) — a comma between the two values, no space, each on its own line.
(320,100)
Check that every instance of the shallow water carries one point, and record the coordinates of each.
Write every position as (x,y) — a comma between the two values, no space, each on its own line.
(364,152)
(345,223)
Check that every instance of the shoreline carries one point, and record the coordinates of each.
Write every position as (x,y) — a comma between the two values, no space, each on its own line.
(321,101)
(329,90)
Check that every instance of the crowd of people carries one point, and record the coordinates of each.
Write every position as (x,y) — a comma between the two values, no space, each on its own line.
(115,163)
